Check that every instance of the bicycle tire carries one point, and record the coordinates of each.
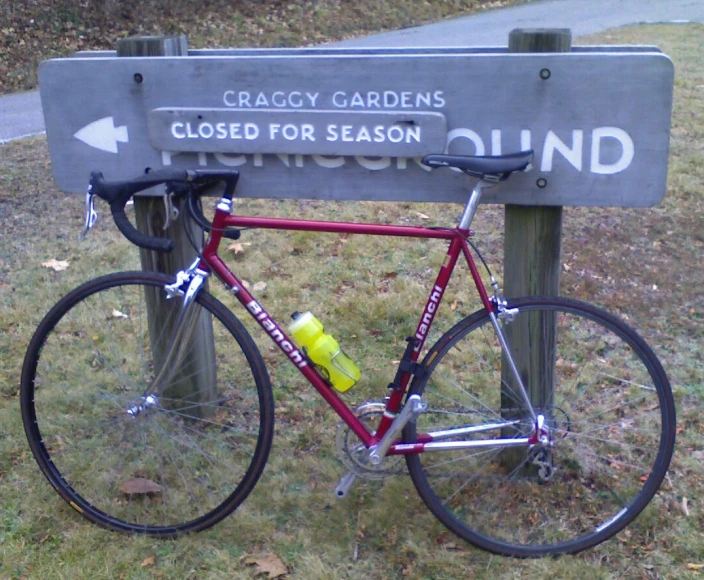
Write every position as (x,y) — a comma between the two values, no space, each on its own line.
(611,420)
(172,464)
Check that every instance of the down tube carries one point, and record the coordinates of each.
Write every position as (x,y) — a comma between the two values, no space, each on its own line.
(287,346)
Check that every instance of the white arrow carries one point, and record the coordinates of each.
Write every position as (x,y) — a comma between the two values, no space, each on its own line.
(102,134)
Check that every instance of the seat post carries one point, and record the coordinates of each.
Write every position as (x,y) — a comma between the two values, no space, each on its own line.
(473,201)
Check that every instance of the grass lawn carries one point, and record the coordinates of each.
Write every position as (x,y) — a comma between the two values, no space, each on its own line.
(643,264)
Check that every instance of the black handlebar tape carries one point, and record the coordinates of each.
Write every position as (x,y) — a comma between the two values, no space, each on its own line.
(134,235)
(229,176)
(117,191)
(117,195)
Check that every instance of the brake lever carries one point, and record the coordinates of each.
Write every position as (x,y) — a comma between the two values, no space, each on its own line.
(91,214)
(172,212)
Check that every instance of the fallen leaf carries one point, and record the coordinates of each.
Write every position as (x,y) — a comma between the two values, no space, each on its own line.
(695,566)
(450,546)
(685,506)
(444,539)
(259,287)
(150,561)
(422,216)
(270,565)
(141,485)
(57,265)
(238,247)
(117,314)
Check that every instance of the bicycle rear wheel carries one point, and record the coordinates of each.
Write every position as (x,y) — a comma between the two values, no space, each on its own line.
(609,413)
(128,455)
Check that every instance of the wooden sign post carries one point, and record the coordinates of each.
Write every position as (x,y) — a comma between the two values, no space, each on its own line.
(198,380)
(532,248)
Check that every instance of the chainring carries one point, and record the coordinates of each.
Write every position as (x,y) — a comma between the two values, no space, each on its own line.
(355,456)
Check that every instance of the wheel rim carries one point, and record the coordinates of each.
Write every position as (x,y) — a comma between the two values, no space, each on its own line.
(138,460)
(609,448)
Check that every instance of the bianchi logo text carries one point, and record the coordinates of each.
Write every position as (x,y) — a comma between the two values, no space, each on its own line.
(275,332)
(428,316)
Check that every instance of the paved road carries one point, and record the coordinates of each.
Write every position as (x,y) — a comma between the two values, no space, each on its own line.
(491,28)
(20,114)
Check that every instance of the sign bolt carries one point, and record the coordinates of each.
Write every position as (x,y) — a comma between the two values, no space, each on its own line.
(545,73)
(542,183)
(138,78)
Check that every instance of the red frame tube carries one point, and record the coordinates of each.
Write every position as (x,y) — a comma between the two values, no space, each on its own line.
(458,244)
(338,227)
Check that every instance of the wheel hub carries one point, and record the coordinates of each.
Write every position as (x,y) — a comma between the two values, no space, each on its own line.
(145,403)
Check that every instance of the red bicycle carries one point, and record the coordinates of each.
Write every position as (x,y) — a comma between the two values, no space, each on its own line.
(533,426)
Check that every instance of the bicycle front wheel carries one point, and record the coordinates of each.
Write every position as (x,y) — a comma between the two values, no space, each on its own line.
(135,435)
(609,419)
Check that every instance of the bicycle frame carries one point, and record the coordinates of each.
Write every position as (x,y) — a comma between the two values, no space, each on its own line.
(391,423)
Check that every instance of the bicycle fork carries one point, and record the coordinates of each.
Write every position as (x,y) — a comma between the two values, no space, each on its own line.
(188,283)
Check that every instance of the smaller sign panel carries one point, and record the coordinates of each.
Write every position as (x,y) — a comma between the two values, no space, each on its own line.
(297,131)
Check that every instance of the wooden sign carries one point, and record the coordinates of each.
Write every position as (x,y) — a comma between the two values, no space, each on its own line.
(346,124)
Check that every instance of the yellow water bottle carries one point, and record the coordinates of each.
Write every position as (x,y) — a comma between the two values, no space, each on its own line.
(324,351)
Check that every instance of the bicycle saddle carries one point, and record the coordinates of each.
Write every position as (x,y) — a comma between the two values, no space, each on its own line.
(498,166)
